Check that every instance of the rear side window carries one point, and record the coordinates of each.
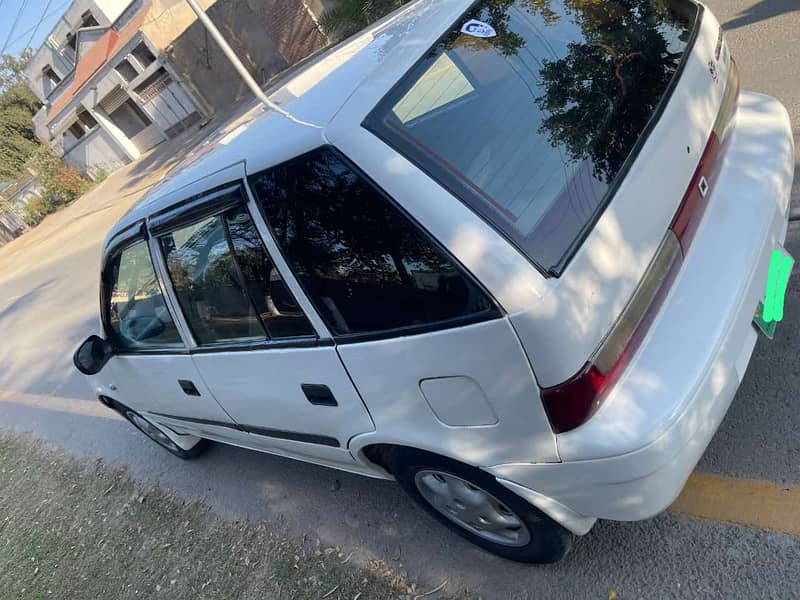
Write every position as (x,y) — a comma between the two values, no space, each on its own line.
(532,114)
(363,264)
(226,285)
(137,314)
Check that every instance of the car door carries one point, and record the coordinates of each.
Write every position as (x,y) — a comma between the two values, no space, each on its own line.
(151,370)
(431,353)
(277,376)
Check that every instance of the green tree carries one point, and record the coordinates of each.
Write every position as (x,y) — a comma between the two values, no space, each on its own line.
(12,69)
(18,104)
(348,17)
(599,97)
(17,139)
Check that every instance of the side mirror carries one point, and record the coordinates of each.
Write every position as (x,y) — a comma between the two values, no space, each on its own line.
(92,355)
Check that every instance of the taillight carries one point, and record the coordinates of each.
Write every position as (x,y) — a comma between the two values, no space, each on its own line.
(570,404)
(690,212)
(573,402)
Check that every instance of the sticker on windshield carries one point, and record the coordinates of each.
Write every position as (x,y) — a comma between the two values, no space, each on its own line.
(479,29)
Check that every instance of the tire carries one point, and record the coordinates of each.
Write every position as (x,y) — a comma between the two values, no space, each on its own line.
(448,483)
(157,434)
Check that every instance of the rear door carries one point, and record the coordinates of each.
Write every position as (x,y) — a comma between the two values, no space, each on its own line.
(257,351)
(431,353)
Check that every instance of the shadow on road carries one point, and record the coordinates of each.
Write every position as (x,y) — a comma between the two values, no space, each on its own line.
(766,9)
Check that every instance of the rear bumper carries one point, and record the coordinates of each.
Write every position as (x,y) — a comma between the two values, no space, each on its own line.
(631,460)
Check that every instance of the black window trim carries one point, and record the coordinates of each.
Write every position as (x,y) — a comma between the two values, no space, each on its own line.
(468,193)
(493,313)
(195,209)
(204,206)
(123,240)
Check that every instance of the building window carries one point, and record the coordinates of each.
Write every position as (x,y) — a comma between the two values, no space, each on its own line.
(88,20)
(130,119)
(126,70)
(77,131)
(50,80)
(87,120)
(70,49)
(143,55)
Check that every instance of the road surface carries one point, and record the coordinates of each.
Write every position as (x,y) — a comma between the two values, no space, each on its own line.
(48,304)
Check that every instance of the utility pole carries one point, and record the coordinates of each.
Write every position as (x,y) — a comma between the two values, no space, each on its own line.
(240,68)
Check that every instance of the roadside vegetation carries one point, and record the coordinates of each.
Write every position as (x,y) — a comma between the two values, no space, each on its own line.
(71,529)
(60,185)
(18,104)
(19,148)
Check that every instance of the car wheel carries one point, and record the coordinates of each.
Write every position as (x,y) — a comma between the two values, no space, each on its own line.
(472,503)
(164,438)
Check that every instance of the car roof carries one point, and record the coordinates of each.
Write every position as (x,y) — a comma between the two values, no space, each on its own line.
(313,93)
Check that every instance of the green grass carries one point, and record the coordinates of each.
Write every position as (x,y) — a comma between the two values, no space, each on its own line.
(72,529)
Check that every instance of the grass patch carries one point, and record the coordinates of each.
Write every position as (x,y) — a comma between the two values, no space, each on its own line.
(72,529)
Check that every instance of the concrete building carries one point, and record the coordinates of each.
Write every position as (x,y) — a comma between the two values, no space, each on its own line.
(116,77)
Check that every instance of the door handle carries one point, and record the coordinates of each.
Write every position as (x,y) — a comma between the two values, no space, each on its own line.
(188,387)
(319,395)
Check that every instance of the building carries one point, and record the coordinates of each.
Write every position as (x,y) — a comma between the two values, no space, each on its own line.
(116,78)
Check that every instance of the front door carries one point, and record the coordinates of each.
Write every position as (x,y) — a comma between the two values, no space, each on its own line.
(253,344)
(152,371)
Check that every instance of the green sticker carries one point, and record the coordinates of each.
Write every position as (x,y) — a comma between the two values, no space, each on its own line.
(780,268)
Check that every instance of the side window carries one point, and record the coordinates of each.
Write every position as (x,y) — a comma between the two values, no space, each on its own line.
(278,308)
(226,285)
(137,313)
(364,265)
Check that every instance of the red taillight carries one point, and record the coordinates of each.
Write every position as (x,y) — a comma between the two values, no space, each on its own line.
(570,404)
(690,212)
(573,402)
(693,204)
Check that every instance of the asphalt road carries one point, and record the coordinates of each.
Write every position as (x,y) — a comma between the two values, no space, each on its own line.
(48,303)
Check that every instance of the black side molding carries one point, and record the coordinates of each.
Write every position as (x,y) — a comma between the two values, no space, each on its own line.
(280,434)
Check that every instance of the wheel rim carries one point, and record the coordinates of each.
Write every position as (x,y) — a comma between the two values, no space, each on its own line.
(151,431)
(472,508)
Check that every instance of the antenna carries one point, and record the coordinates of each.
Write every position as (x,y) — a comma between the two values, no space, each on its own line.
(240,68)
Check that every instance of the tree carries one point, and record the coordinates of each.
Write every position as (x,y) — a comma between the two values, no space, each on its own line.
(12,69)
(348,17)
(17,138)
(600,96)
(18,105)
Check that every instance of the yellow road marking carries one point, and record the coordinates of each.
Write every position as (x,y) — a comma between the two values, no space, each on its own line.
(74,406)
(758,504)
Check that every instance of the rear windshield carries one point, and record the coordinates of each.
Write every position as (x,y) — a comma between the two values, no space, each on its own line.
(531,110)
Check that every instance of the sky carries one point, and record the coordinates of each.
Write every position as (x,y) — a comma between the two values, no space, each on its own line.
(31,27)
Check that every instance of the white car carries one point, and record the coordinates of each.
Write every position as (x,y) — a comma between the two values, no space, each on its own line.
(507,253)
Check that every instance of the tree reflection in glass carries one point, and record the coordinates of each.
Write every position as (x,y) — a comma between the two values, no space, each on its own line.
(532,127)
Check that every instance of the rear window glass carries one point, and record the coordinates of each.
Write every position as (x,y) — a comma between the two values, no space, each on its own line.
(530,111)
(363,263)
